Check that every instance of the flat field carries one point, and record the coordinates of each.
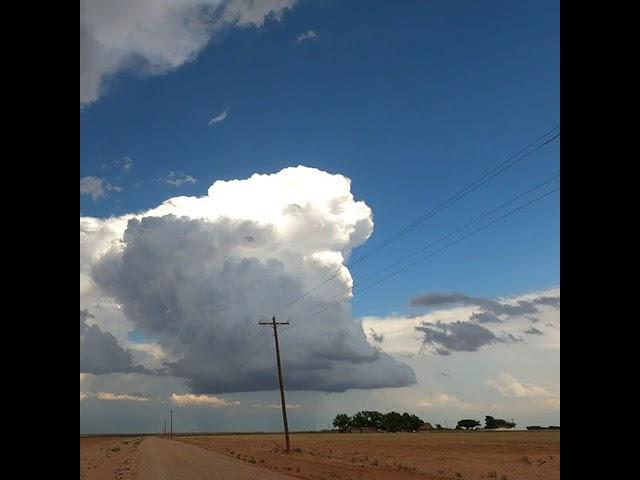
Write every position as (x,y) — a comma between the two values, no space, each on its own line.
(525,455)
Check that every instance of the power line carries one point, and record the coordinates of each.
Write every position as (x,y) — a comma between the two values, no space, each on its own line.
(449,245)
(448,235)
(474,185)
(458,196)
(254,354)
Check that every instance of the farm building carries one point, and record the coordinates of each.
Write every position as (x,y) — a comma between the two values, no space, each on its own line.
(362,430)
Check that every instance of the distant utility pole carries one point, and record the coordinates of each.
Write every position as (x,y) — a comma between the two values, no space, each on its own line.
(171,411)
(274,325)
(164,431)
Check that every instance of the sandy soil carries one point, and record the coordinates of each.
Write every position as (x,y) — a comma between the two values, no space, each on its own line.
(153,458)
(108,458)
(466,455)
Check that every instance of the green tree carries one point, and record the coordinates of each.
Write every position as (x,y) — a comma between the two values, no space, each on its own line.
(342,421)
(375,419)
(392,422)
(411,423)
(468,424)
(491,423)
(367,418)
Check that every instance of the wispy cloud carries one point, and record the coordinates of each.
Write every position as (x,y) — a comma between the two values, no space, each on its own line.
(308,35)
(443,400)
(179,178)
(533,331)
(220,117)
(511,387)
(490,309)
(96,187)
(113,397)
(189,399)
(127,163)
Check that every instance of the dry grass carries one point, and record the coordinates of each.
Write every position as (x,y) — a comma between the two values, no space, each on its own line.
(466,455)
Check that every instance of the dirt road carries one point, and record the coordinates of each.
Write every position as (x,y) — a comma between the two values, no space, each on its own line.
(160,459)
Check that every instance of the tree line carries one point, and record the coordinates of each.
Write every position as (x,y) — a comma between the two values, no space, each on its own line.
(389,422)
(489,423)
(405,422)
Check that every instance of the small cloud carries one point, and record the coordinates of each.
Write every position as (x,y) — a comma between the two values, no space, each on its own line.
(96,187)
(179,178)
(443,400)
(189,399)
(511,387)
(308,35)
(127,163)
(445,338)
(219,118)
(485,317)
(509,338)
(533,331)
(114,397)
(444,374)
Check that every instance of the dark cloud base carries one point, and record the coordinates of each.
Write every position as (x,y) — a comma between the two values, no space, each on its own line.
(198,290)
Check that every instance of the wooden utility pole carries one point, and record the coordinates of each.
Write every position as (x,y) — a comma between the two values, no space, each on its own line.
(274,325)
(164,431)
(171,412)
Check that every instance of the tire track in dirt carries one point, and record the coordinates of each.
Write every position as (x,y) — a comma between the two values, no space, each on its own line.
(111,459)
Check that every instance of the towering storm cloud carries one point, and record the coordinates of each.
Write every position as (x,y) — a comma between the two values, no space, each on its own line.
(196,275)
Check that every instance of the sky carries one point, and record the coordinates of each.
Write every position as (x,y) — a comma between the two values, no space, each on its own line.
(234,156)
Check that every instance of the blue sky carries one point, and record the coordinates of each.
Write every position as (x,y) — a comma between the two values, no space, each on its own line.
(410,100)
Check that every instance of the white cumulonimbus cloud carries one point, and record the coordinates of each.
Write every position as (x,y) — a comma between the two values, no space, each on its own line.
(156,36)
(196,274)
